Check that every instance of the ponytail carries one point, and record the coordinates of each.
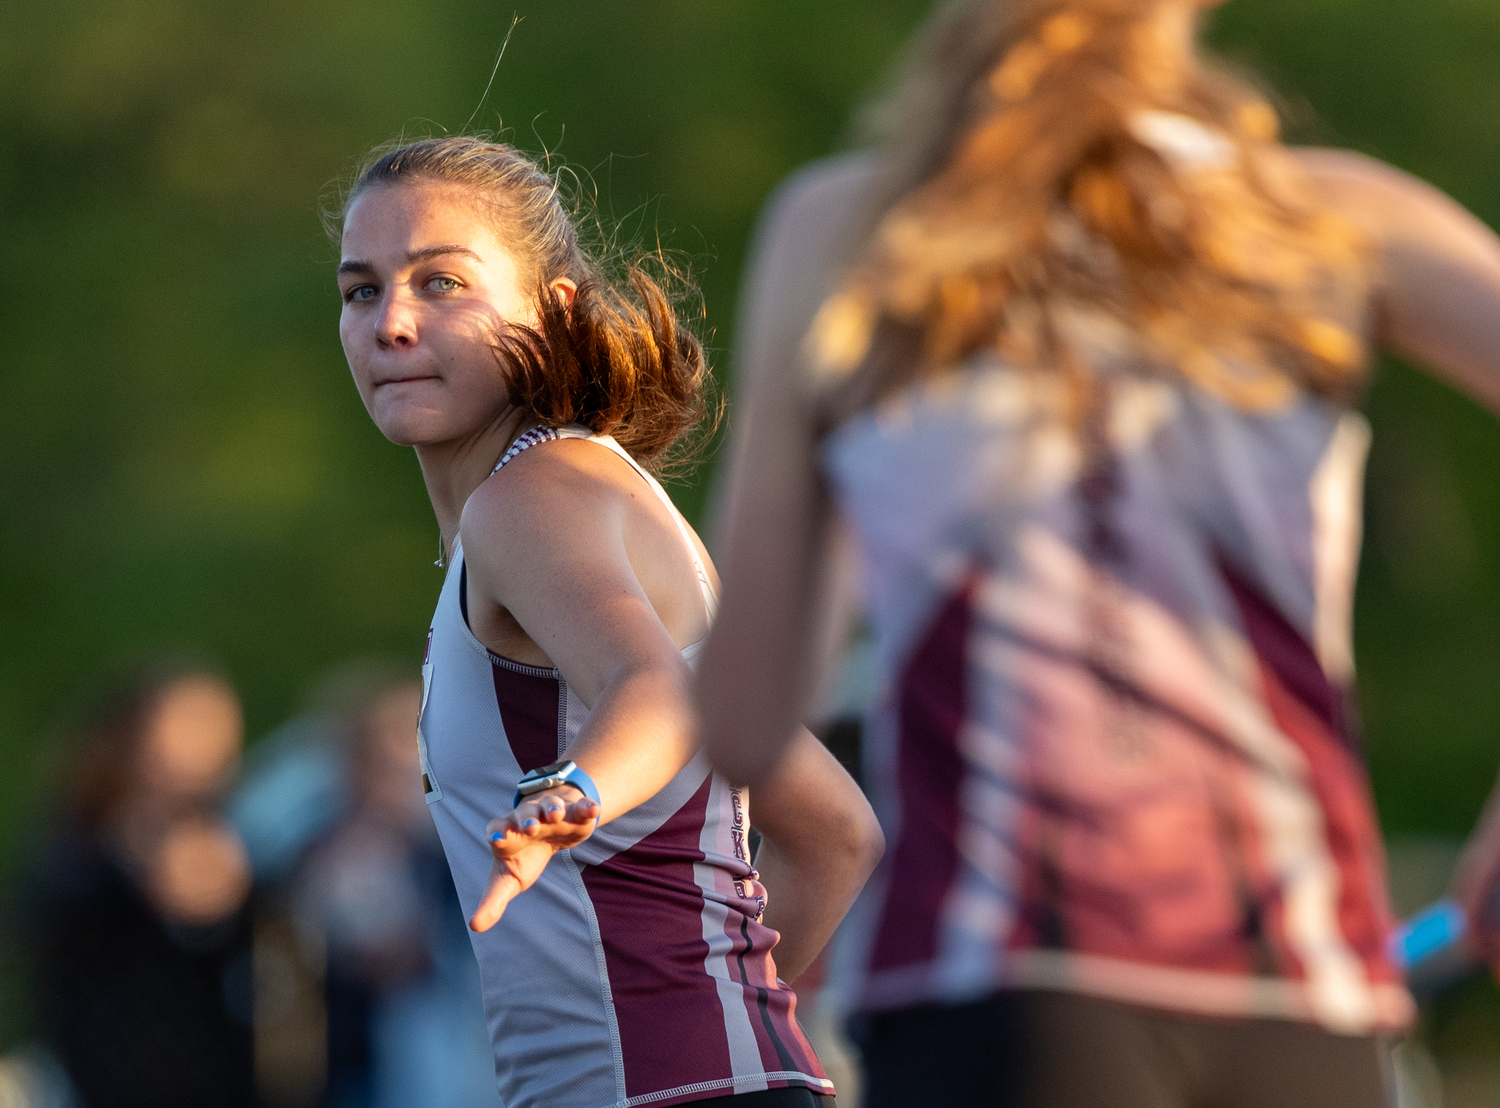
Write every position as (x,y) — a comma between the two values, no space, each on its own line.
(618,362)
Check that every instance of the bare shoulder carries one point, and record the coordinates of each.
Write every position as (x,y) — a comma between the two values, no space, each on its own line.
(1386,201)
(823,195)
(1332,165)
(808,231)
(566,486)
(566,527)
(812,218)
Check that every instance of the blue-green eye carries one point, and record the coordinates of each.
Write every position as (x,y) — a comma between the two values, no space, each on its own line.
(443,284)
(360,293)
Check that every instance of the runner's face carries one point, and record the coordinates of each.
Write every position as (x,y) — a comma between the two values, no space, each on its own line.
(426,286)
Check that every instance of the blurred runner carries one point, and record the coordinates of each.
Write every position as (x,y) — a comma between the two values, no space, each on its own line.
(557,726)
(1076,351)
(138,904)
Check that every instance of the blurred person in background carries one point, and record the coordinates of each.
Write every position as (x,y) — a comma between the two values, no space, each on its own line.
(1076,352)
(137,904)
(404,1016)
(628,949)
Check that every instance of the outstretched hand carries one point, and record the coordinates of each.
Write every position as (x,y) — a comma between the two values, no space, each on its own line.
(523,842)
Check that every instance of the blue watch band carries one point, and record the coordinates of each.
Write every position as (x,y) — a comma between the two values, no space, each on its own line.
(559,773)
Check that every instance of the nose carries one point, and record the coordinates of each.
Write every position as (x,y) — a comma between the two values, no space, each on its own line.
(396,325)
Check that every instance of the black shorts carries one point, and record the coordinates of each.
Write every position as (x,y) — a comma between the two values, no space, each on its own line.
(773,1098)
(1032,1049)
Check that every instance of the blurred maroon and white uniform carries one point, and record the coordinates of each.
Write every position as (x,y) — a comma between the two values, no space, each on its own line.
(1113,748)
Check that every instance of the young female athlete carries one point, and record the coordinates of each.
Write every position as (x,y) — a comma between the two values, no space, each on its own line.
(624,939)
(1076,354)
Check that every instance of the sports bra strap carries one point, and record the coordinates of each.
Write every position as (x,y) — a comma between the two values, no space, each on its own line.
(525,441)
(573,431)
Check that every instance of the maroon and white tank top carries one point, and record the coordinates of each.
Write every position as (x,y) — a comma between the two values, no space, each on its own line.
(636,970)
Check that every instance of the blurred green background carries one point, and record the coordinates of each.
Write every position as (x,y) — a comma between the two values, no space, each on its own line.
(183,461)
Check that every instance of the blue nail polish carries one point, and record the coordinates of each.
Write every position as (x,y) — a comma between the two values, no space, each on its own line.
(528,823)
(496,837)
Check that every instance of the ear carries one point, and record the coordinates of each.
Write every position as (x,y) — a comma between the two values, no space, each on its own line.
(565,289)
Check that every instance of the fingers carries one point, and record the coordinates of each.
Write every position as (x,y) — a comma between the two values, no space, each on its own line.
(502,889)
(583,810)
(545,819)
(550,809)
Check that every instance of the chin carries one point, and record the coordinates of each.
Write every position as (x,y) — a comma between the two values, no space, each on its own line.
(424,428)
(425,420)
(407,424)
(401,437)
(404,428)
(409,432)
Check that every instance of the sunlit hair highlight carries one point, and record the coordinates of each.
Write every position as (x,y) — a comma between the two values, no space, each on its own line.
(1065,167)
(620,360)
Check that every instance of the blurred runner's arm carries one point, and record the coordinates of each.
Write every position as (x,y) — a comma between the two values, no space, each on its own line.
(762,665)
(759,670)
(1438,301)
(1476,884)
(1439,305)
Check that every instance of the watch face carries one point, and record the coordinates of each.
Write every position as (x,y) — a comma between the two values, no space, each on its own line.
(545,777)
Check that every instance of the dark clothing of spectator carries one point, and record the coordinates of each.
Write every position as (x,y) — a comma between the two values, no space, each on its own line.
(142,1013)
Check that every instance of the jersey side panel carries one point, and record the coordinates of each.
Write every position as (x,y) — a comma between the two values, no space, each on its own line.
(923,858)
(784,1050)
(654,947)
(529,708)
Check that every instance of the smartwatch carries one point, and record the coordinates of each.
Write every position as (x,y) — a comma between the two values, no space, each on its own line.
(565,772)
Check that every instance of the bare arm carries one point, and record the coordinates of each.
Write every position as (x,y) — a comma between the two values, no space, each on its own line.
(550,546)
(820,843)
(1438,304)
(1439,298)
(760,668)
(778,545)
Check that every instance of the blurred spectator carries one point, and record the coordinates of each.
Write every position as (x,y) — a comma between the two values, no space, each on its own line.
(360,909)
(137,905)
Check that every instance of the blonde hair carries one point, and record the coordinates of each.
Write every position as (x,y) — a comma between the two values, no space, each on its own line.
(1056,160)
(619,360)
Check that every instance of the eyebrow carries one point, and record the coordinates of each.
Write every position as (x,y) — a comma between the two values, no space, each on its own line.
(426,254)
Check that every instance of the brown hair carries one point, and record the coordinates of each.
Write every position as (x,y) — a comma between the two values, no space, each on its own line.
(1059,161)
(619,360)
